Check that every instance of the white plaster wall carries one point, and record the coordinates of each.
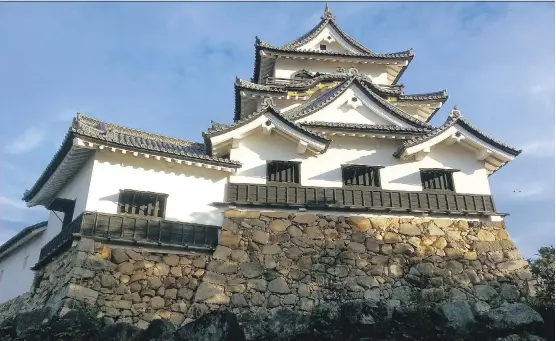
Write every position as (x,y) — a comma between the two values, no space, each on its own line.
(190,189)
(325,170)
(17,277)
(284,68)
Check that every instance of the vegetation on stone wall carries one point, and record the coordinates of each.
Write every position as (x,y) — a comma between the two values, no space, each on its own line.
(542,269)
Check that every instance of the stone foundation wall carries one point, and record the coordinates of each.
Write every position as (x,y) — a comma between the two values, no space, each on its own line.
(298,260)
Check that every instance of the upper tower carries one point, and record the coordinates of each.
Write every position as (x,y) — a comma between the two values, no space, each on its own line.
(323,49)
(320,60)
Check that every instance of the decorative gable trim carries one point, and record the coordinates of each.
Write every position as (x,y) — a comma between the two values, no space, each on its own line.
(457,129)
(266,119)
(375,103)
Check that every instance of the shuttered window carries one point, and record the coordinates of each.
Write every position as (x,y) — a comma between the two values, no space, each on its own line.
(355,175)
(437,180)
(283,171)
(142,203)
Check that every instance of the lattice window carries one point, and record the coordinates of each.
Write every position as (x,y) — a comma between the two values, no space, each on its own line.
(322,47)
(283,171)
(142,203)
(437,180)
(355,175)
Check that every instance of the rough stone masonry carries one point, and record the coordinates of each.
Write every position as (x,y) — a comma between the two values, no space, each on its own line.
(266,260)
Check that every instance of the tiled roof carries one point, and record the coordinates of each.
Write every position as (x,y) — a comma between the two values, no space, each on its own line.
(407,54)
(134,139)
(309,83)
(431,96)
(218,129)
(366,127)
(22,234)
(325,99)
(456,118)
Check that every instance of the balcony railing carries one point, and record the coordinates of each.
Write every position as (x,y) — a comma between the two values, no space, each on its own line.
(281,81)
(127,229)
(359,199)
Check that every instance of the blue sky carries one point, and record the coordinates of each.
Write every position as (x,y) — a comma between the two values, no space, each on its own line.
(170,68)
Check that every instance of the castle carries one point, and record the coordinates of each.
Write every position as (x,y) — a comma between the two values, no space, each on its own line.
(329,185)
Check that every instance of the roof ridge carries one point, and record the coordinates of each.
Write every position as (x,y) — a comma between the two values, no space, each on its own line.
(81,118)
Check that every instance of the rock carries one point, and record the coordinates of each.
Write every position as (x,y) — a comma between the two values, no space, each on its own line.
(108,281)
(304,219)
(158,330)
(391,238)
(171,260)
(372,245)
(456,295)
(305,263)
(119,256)
(307,304)
(470,255)
(515,316)
(356,247)
(440,243)
(380,224)
(278,225)
(137,276)
(271,249)
(379,260)
(289,299)
(126,268)
(257,284)
(251,270)
(238,300)
(363,224)
(260,237)
(211,294)
(403,248)
(395,270)
(485,236)
(221,252)
(215,326)
(432,294)
(457,316)
(484,292)
(509,292)
(229,239)
(156,302)
(409,230)
(372,294)
(433,230)
(454,266)
(367,281)
(279,286)
(294,231)
(239,256)
(185,293)
(511,265)
(426,269)
(161,269)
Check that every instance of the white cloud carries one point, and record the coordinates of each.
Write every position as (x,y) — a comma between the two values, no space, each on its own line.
(28,140)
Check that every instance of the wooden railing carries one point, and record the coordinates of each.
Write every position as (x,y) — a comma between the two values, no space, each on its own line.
(128,229)
(359,199)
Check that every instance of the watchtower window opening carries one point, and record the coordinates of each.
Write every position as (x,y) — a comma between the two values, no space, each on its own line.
(142,203)
(283,171)
(357,175)
(437,179)
(322,47)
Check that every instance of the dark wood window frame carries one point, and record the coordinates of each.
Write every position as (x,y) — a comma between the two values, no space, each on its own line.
(437,179)
(283,172)
(323,47)
(361,176)
(128,198)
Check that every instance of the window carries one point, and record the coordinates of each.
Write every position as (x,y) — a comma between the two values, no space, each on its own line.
(322,47)
(355,175)
(142,203)
(437,179)
(283,171)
